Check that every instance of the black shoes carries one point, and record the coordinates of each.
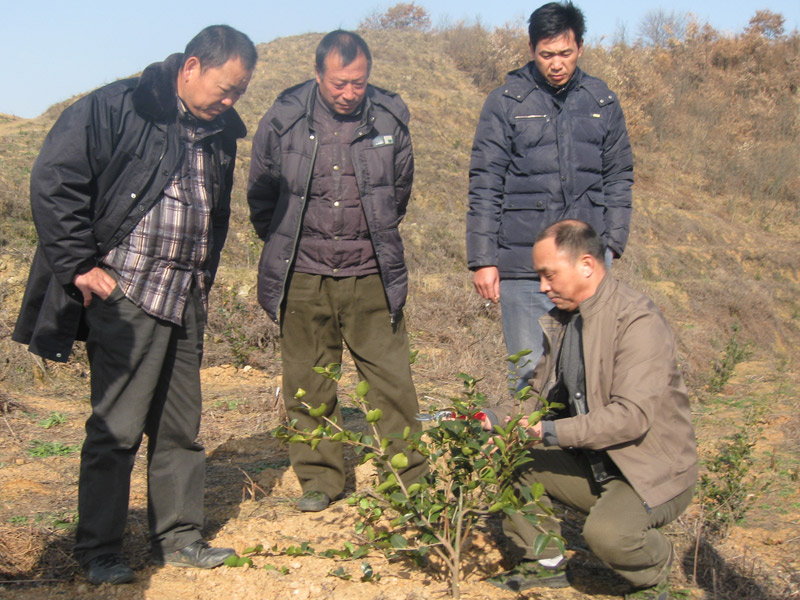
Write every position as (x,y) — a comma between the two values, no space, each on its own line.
(313,502)
(108,568)
(530,574)
(197,554)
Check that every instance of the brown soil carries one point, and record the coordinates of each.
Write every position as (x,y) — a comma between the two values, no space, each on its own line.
(250,496)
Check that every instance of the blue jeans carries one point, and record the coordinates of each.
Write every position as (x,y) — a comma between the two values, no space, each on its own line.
(522,304)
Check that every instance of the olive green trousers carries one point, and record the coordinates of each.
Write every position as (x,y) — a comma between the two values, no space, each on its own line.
(319,314)
(620,529)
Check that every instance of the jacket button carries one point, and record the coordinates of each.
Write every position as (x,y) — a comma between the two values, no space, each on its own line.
(539,204)
(141,208)
(578,395)
(336,203)
(58,354)
(133,195)
(336,270)
(164,172)
(563,178)
(335,167)
(311,137)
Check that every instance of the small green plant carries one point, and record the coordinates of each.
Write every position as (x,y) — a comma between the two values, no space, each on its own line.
(18,520)
(53,420)
(39,449)
(471,476)
(734,353)
(729,489)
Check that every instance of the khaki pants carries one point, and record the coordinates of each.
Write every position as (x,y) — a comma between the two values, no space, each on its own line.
(619,528)
(318,315)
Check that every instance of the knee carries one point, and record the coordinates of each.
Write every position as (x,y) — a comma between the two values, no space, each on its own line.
(608,538)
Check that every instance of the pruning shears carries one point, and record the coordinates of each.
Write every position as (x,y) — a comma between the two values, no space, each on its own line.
(441,415)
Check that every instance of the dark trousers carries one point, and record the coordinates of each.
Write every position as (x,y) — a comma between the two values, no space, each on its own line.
(619,529)
(319,314)
(145,379)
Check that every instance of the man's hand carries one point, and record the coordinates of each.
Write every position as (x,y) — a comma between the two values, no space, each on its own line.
(487,283)
(96,282)
(533,431)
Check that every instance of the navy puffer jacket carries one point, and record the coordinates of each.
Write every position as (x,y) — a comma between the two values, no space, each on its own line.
(540,157)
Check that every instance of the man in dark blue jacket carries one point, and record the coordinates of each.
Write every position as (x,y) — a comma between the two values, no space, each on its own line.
(551,144)
(131,198)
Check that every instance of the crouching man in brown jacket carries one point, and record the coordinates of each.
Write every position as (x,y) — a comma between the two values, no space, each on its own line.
(623,449)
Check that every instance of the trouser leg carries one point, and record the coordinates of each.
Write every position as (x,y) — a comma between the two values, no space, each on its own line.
(521,305)
(381,354)
(129,353)
(619,528)
(176,462)
(563,475)
(310,337)
(624,534)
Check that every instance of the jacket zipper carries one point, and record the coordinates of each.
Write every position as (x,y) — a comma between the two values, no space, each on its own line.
(300,220)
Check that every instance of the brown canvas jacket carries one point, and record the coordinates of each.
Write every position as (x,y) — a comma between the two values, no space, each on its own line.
(638,405)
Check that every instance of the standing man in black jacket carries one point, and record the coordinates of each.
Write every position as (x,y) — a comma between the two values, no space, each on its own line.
(551,144)
(131,198)
(330,179)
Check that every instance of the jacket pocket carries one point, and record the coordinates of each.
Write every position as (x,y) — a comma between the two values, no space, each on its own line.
(523,217)
(529,130)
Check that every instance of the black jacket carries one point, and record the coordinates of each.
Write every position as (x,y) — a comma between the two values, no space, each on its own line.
(102,167)
(284,149)
(538,159)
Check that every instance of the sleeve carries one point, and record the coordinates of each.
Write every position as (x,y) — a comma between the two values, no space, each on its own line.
(617,180)
(642,369)
(263,186)
(491,156)
(64,186)
(403,169)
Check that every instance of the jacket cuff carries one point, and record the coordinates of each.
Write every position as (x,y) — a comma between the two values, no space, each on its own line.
(549,437)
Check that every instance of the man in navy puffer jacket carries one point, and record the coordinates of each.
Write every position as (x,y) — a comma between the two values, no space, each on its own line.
(551,144)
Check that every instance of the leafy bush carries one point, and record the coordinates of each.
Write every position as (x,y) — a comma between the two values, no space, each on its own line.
(471,475)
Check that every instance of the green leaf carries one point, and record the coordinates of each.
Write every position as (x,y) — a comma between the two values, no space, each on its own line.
(253,549)
(319,411)
(542,540)
(399,461)
(390,482)
(315,443)
(406,432)
(231,561)
(362,388)
(537,490)
(341,573)
(374,415)
(299,393)
(398,541)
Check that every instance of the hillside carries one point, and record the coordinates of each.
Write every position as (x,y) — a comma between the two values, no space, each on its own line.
(719,258)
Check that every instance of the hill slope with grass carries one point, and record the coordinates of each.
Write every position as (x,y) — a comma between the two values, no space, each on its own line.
(715,241)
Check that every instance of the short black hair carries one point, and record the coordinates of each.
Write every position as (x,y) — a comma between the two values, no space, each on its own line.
(347,44)
(554,19)
(576,238)
(217,44)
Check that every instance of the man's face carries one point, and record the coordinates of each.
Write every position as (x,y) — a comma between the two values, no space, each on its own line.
(563,279)
(208,93)
(343,88)
(557,57)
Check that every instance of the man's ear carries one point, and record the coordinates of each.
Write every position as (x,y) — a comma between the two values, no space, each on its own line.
(587,265)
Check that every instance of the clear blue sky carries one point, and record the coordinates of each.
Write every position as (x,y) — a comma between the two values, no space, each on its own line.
(54,49)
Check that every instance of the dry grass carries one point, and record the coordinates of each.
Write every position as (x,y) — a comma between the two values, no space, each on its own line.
(714,240)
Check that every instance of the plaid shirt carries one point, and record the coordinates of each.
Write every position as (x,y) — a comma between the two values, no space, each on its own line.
(157,263)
